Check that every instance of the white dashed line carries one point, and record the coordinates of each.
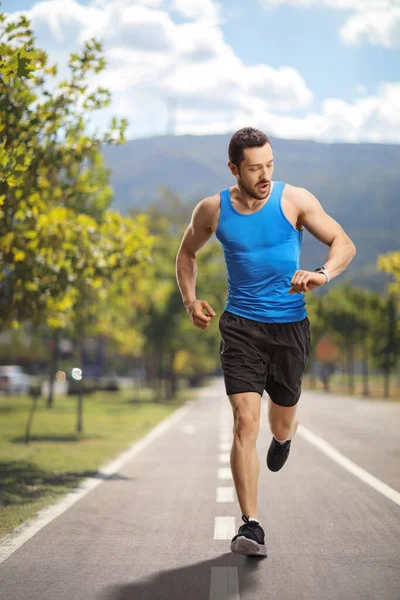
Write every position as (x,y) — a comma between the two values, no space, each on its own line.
(224,528)
(225,494)
(224,583)
(225,446)
(224,473)
(224,457)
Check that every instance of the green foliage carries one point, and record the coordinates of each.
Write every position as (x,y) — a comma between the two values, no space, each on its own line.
(386,336)
(57,238)
(390,263)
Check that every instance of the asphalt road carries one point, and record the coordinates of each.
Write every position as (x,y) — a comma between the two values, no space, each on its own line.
(160,528)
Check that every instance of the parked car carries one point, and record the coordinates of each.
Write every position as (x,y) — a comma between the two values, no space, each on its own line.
(15,380)
(109,383)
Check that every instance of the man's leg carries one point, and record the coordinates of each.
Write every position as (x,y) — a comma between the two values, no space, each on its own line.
(282,420)
(245,465)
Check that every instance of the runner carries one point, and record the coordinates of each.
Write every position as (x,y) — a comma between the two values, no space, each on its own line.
(265,333)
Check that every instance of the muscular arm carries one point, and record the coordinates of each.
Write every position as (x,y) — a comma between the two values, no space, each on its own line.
(195,237)
(312,216)
(328,231)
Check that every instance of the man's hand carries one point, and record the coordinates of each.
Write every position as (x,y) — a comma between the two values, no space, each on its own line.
(195,312)
(303,281)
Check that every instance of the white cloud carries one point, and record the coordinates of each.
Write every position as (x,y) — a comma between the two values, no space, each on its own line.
(370,119)
(205,11)
(189,61)
(379,27)
(153,61)
(377,21)
(377,117)
(359,5)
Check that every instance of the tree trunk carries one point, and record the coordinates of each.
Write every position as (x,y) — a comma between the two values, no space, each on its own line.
(79,420)
(365,368)
(79,415)
(161,394)
(386,391)
(350,370)
(35,399)
(172,378)
(325,374)
(54,357)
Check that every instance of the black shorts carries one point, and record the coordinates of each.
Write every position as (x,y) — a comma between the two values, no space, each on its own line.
(259,356)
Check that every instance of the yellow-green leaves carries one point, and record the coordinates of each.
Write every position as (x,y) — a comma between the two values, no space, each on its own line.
(390,263)
(58,241)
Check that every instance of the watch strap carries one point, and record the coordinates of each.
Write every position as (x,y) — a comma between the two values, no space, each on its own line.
(325,272)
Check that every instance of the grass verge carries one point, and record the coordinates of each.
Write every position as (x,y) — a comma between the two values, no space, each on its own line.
(35,475)
(338,384)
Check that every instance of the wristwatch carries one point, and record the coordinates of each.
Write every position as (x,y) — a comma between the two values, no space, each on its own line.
(325,272)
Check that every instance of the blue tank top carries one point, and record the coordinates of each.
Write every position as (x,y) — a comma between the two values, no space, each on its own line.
(262,253)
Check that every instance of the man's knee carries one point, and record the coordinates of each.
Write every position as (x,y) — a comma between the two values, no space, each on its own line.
(281,429)
(245,424)
(246,414)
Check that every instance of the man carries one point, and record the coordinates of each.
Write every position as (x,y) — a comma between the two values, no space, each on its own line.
(265,336)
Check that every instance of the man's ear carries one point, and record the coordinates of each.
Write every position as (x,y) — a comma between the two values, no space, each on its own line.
(233,168)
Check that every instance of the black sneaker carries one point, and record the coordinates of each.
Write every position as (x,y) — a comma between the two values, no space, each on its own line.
(250,540)
(277,454)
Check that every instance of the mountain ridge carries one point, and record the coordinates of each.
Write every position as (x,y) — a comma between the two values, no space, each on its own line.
(357,184)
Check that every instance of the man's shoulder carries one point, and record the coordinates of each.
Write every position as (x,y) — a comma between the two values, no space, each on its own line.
(296,195)
(293,191)
(210,210)
(212,201)
(210,205)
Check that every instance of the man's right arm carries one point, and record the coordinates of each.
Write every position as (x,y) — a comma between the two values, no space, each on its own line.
(195,237)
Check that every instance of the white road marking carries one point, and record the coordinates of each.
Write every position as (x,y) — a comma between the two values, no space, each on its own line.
(225,457)
(349,465)
(225,446)
(224,583)
(224,473)
(225,494)
(14,540)
(188,428)
(224,528)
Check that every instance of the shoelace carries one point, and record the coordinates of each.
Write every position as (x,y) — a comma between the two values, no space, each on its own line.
(247,522)
(281,448)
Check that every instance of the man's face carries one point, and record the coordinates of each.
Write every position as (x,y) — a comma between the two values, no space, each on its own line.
(256,171)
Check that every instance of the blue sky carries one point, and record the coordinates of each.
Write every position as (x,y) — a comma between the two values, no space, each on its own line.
(316,69)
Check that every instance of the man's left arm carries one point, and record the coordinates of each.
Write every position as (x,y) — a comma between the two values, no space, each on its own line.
(328,231)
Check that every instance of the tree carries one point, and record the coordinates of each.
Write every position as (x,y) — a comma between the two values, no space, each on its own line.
(318,328)
(61,248)
(364,306)
(52,176)
(174,347)
(390,263)
(386,340)
(346,324)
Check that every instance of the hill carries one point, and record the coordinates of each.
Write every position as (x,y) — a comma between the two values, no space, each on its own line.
(358,184)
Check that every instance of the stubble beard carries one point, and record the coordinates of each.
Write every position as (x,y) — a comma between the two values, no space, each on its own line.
(247,192)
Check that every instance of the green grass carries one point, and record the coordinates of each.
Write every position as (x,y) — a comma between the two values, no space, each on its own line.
(56,459)
(338,385)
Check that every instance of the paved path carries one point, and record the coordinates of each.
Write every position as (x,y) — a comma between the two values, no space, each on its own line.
(160,528)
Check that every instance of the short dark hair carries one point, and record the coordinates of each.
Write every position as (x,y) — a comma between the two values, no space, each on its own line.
(247,137)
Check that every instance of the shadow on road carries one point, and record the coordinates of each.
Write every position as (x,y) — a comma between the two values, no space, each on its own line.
(22,482)
(57,438)
(187,583)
